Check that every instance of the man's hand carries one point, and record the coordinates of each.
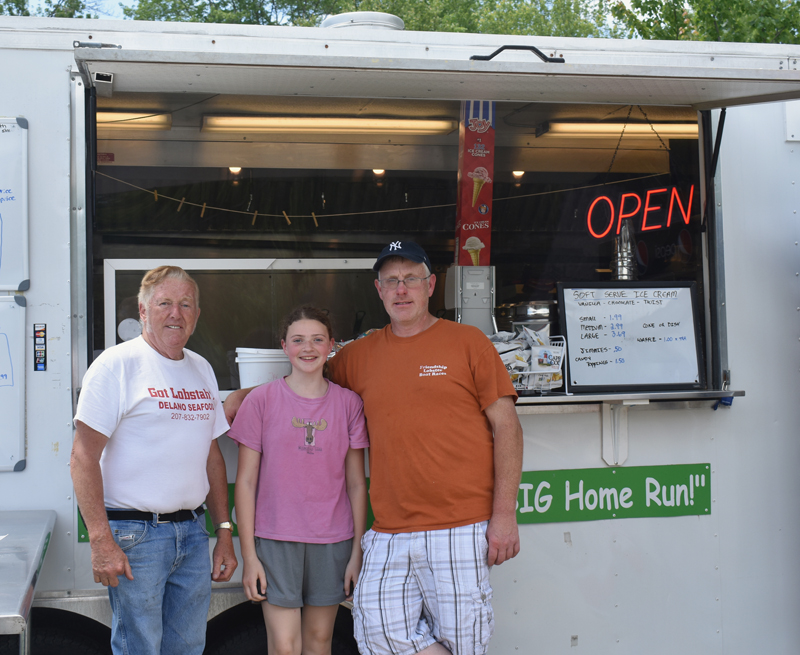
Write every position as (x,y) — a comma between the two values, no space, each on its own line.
(233,402)
(217,502)
(225,562)
(502,533)
(503,537)
(109,562)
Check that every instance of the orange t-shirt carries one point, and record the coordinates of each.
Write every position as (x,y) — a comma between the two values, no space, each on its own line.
(431,446)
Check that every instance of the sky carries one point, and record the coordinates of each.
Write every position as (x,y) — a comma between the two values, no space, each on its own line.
(103,8)
(108,8)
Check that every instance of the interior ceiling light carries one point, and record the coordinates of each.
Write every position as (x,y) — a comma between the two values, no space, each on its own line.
(121,120)
(518,174)
(613,130)
(327,125)
(235,169)
(378,171)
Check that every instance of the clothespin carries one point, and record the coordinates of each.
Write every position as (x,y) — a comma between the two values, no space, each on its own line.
(203,210)
(314,216)
(254,217)
(155,194)
(288,222)
(181,205)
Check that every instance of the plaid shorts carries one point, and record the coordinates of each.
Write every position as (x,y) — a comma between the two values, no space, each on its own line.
(417,588)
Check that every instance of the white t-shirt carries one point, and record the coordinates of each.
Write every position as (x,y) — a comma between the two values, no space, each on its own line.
(160,416)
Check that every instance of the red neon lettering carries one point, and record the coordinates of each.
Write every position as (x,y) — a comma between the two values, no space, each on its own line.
(589,217)
(648,208)
(622,214)
(672,200)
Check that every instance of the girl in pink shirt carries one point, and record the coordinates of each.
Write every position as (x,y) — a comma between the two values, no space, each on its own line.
(301,499)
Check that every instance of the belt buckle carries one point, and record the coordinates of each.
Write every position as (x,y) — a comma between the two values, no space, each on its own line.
(158,518)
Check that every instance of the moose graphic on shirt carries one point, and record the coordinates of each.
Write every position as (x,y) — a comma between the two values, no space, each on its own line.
(311,428)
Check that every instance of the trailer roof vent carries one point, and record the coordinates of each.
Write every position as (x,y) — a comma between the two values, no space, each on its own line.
(373,19)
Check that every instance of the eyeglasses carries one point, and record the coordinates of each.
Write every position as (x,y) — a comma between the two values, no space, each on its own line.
(408,282)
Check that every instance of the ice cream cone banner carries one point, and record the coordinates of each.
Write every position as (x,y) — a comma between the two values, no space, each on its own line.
(475,171)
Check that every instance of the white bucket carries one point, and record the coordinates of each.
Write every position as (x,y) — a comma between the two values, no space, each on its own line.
(261,365)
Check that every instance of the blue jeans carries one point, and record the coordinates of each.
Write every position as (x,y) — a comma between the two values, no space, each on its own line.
(163,610)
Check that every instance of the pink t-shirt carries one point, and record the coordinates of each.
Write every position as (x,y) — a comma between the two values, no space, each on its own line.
(303,442)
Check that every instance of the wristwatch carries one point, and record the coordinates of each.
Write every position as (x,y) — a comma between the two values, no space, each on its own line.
(227,525)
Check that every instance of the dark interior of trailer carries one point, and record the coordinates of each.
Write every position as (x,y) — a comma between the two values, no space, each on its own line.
(183,191)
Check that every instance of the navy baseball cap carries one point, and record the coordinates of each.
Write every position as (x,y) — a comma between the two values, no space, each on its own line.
(405,249)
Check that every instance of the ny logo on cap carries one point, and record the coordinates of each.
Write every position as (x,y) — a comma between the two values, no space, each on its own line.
(395,245)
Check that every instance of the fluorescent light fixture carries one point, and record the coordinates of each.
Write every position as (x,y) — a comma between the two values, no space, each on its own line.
(326,125)
(613,130)
(121,120)
(235,169)
(517,174)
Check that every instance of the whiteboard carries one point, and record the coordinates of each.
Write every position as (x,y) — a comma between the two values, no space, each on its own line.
(14,204)
(12,383)
(624,336)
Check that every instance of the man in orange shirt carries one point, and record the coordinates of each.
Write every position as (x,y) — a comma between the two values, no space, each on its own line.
(445,466)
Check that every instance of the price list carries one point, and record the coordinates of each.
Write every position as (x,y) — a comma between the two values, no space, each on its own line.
(630,337)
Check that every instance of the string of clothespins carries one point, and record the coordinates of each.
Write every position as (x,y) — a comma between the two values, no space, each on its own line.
(255,214)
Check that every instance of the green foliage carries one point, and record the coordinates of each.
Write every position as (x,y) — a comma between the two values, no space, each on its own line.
(431,15)
(580,18)
(748,21)
(541,17)
(251,12)
(14,8)
(755,21)
(49,9)
(527,17)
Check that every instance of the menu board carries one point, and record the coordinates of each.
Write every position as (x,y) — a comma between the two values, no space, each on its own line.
(12,383)
(626,336)
(14,204)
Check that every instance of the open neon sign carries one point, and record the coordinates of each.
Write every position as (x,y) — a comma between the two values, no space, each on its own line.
(630,204)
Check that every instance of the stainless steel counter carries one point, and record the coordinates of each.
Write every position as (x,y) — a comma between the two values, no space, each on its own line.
(24,538)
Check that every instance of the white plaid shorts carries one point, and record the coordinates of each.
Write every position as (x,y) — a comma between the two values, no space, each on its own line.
(416,588)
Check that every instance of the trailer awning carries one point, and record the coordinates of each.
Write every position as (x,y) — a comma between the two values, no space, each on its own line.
(417,65)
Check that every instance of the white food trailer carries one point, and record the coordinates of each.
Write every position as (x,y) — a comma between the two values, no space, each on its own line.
(655,518)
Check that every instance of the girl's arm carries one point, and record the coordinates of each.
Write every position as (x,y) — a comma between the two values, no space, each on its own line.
(245,499)
(357,492)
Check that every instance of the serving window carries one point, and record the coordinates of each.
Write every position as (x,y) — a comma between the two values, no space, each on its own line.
(566,178)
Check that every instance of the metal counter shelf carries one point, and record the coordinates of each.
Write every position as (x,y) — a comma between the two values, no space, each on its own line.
(24,538)
(632,398)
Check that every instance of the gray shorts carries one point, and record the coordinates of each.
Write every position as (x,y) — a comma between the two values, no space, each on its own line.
(304,574)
